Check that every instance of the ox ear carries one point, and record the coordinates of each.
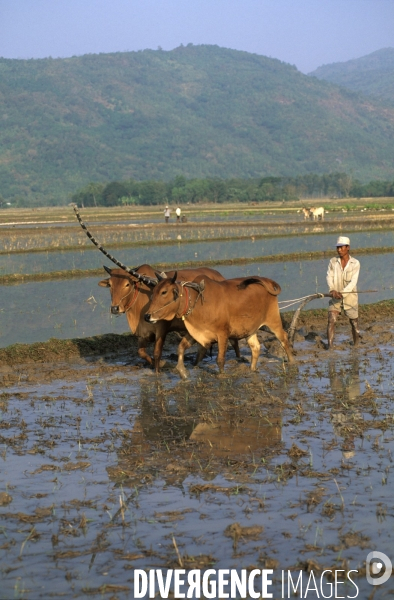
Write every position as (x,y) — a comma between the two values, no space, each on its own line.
(173,279)
(104,283)
(109,271)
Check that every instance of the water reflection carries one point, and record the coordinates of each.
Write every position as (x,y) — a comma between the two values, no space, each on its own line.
(237,435)
(183,430)
(346,389)
(345,383)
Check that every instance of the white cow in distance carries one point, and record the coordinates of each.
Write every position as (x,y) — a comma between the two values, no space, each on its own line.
(317,212)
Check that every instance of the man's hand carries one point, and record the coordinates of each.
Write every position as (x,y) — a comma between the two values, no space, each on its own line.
(336,295)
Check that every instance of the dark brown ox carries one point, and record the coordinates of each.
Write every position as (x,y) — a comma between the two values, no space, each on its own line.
(131,294)
(214,311)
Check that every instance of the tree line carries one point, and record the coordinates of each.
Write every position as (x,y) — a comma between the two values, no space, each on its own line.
(192,191)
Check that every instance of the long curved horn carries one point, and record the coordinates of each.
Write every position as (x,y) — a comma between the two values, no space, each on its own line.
(109,271)
(173,279)
(149,281)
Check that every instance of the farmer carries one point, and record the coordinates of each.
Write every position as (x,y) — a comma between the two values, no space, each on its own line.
(178,214)
(167,214)
(342,277)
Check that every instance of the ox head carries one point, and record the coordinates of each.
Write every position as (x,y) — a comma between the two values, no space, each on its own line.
(165,300)
(123,288)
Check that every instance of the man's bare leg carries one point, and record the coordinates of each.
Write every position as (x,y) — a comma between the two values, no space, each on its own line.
(355,331)
(332,319)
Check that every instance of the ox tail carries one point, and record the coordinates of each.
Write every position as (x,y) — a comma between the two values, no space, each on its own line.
(144,278)
(271,286)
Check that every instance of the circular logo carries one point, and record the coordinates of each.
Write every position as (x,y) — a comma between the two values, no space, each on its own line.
(378,568)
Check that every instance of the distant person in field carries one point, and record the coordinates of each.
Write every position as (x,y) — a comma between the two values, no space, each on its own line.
(342,277)
(167,214)
(178,214)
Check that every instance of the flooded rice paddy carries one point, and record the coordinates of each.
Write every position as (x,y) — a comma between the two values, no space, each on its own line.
(37,311)
(108,468)
(45,262)
(39,238)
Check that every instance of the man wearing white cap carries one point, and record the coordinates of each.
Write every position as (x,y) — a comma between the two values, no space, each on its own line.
(342,277)
(167,213)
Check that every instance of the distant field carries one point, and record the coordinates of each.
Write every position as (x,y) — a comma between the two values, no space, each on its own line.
(57,230)
(65,214)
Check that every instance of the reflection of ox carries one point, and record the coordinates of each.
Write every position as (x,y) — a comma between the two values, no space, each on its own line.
(214,311)
(225,428)
(317,212)
(227,435)
(222,438)
(131,294)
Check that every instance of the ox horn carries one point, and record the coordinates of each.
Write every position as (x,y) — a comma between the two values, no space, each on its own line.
(109,271)
(173,280)
(149,281)
(160,276)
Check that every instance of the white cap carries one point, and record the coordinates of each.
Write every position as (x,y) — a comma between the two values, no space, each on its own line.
(343,241)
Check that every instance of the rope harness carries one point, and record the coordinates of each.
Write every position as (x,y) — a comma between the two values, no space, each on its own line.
(188,309)
(297,300)
(316,296)
(134,298)
(165,305)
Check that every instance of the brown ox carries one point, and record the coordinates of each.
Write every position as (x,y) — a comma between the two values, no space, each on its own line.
(131,294)
(214,311)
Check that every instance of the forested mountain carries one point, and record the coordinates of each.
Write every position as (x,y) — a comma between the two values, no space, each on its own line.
(196,111)
(372,75)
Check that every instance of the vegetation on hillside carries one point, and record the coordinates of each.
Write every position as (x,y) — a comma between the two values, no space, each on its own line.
(199,111)
(372,75)
(183,191)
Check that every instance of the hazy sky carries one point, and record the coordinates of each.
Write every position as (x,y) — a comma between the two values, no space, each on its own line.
(307,33)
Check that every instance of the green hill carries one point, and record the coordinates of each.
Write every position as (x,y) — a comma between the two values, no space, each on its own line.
(372,75)
(198,111)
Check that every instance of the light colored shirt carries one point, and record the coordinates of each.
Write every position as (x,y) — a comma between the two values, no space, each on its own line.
(178,212)
(167,212)
(344,280)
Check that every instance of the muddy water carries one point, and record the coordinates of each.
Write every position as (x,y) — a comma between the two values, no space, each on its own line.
(37,311)
(105,468)
(58,261)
